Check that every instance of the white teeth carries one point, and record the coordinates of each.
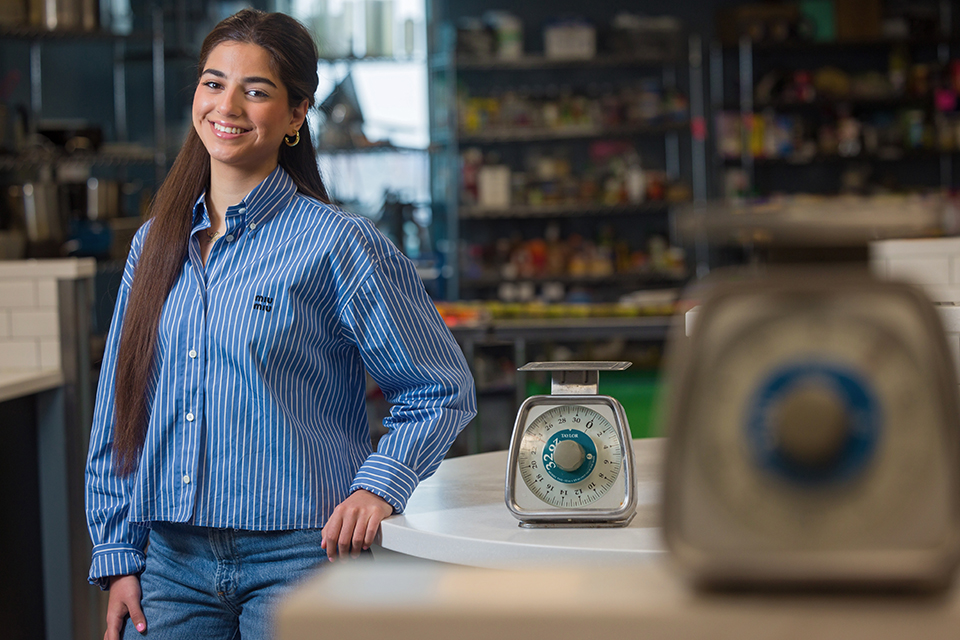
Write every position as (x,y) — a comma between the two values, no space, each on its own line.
(224,129)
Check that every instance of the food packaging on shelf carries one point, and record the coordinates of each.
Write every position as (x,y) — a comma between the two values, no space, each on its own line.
(570,40)
(508,30)
(645,36)
(493,186)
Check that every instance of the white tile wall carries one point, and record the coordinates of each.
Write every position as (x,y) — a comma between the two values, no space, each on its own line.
(40,323)
(927,270)
(20,293)
(50,354)
(19,354)
(29,322)
(47,292)
(934,265)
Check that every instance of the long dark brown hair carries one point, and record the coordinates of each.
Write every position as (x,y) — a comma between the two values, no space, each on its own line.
(294,59)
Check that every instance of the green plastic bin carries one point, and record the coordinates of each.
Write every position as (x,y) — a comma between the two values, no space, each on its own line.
(638,392)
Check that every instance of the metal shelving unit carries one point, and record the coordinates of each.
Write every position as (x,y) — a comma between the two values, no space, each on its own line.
(534,61)
(564,210)
(539,134)
(37,37)
(446,71)
(749,55)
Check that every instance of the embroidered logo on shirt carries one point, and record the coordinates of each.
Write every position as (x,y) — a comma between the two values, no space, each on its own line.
(262,303)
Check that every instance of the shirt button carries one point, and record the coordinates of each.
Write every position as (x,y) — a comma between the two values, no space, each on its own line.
(192,353)
(253,225)
(189,417)
(229,238)
(242,210)
(186,479)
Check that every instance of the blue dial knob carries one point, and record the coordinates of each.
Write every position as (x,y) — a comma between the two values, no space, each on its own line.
(814,423)
(569,456)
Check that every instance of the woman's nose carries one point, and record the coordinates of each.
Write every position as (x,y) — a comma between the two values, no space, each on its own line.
(229,102)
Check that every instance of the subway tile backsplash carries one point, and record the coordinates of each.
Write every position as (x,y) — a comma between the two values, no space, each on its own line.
(29,323)
(30,314)
(18,294)
(43,323)
(934,265)
(20,354)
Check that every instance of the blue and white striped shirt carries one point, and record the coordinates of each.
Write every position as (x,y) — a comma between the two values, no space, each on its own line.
(258,418)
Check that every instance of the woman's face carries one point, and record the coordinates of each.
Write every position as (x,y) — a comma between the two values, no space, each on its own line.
(241,110)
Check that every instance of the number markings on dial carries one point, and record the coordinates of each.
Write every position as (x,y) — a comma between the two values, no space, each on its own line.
(603,475)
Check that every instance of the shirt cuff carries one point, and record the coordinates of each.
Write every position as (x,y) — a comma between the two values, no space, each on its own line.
(114,560)
(387,478)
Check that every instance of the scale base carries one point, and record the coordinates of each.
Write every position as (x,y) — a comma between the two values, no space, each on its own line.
(575,524)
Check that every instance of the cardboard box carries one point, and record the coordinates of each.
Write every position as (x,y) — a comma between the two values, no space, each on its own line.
(859,20)
(758,22)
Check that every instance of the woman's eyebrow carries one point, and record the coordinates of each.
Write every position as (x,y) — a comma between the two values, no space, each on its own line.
(247,80)
(260,80)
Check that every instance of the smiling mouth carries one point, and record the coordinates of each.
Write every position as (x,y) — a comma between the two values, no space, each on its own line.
(225,129)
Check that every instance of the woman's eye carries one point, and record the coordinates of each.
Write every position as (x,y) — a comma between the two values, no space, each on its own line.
(210,84)
(256,93)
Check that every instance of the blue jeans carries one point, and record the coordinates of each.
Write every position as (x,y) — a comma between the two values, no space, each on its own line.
(220,584)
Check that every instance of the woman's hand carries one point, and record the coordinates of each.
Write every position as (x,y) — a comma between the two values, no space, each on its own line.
(353,524)
(124,601)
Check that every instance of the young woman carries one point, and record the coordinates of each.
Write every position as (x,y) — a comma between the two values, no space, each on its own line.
(230,429)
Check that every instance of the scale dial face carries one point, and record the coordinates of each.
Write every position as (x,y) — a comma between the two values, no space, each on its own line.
(800,415)
(571,463)
(570,456)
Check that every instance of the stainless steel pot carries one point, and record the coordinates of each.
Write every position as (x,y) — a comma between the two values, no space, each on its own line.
(103,199)
(41,212)
(65,14)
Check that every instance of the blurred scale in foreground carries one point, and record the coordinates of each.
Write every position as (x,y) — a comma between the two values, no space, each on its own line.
(813,421)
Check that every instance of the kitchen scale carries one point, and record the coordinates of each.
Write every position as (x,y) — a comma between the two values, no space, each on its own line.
(813,431)
(570,462)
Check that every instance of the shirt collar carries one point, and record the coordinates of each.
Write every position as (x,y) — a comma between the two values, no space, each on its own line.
(259,206)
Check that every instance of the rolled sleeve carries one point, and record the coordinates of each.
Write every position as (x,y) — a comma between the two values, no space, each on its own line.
(389,479)
(114,560)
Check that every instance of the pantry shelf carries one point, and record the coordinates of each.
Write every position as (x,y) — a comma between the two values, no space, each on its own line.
(648,279)
(560,210)
(536,134)
(534,62)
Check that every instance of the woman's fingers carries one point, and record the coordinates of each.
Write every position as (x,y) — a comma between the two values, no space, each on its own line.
(124,601)
(354,524)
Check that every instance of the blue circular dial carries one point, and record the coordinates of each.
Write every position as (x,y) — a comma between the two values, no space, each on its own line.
(573,472)
(814,423)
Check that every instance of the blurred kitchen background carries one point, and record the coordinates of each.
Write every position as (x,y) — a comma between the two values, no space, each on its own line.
(559,172)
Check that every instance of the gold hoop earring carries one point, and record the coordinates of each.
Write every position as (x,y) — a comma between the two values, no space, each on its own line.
(296,139)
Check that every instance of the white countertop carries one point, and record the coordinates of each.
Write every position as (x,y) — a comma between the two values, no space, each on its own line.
(18,383)
(459,516)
